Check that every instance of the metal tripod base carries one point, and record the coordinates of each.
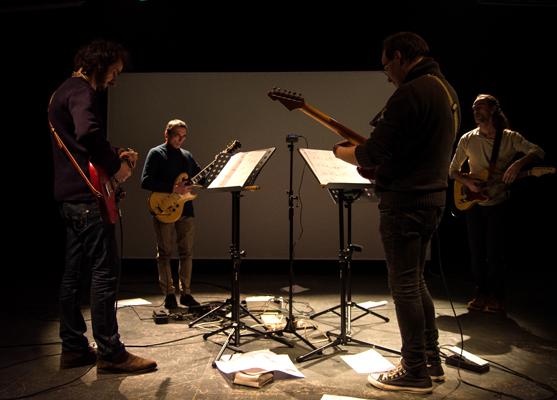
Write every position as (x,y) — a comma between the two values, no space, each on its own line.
(343,340)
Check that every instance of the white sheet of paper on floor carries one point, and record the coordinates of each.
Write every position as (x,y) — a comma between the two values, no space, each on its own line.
(295,289)
(372,304)
(132,302)
(259,361)
(368,362)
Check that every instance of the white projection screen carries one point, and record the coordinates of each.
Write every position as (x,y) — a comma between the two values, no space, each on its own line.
(222,107)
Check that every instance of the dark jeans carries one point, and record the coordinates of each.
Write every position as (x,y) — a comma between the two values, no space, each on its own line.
(488,227)
(406,233)
(91,255)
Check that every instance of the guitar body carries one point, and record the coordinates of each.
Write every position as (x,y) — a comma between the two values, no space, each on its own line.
(110,190)
(464,198)
(168,207)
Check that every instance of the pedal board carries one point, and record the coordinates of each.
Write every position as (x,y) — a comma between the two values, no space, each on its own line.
(465,360)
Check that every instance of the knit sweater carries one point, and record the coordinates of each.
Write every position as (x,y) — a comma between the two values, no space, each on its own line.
(163,165)
(75,115)
(412,143)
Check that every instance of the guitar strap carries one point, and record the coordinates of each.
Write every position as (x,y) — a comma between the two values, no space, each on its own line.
(63,147)
(454,106)
(495,151)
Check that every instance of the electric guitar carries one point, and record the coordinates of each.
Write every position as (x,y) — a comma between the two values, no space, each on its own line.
(111,192)
(464,198)
(293,101)
(167,207)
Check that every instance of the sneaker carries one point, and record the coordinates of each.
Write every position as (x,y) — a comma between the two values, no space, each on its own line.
(435,371)
(399,379)
(188,300)
(126,363)
(493,305)
(170,301)
(74,359)
(478,304)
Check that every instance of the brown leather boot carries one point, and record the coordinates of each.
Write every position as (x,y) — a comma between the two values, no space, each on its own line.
(126,363)
(74,359)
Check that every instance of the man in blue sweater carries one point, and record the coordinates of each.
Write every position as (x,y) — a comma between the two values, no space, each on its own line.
(410,150)
(163,165)
(91,248)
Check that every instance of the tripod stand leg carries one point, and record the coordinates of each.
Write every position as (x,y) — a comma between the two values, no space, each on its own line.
(224,346)
(367,311)
(332,309)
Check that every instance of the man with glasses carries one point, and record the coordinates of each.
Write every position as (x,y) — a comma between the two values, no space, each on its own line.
(410,150)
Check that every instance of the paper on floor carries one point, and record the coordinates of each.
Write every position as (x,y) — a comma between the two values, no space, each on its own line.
(258,361)
(368,362)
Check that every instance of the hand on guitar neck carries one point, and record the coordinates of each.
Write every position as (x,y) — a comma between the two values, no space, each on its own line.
(128,158)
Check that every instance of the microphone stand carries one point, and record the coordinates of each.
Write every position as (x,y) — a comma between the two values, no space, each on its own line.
(291,325)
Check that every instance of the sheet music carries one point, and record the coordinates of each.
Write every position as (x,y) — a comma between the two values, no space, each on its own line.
(329,169)
(236,172)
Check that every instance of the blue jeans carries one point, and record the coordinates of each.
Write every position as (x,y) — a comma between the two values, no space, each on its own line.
(91,255)
(406,233)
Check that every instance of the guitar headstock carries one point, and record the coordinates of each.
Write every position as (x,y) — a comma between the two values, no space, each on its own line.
(292,101)
(233,147)
(539,171)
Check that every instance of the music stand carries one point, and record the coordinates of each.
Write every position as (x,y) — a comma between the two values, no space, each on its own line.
(234,177)
(349,196)
(346,192)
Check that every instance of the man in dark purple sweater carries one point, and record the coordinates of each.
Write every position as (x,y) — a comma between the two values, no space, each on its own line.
(91,248)
(410,150)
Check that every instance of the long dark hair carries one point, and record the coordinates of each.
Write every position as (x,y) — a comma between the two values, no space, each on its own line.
(500,120)
(99,54)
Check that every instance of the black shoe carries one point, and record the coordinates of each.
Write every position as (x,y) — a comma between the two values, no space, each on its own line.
(399,379)
(170,301)
(435,371)
(188,301)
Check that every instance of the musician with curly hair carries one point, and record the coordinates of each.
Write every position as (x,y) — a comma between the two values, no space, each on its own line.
(78,138)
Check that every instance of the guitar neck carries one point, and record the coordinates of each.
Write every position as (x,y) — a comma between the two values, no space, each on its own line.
(333,125)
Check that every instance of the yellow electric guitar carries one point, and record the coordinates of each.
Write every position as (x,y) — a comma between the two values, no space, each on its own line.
(168,207)
(464,198)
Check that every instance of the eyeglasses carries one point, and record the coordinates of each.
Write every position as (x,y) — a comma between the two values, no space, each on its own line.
(384,65)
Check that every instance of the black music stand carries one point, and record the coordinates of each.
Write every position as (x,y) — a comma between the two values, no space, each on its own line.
(350,196)
(235,179)
(349,190)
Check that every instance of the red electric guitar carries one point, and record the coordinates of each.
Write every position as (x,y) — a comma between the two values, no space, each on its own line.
(293,101)
(110,190)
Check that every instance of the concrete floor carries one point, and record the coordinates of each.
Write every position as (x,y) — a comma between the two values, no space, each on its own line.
(520,343)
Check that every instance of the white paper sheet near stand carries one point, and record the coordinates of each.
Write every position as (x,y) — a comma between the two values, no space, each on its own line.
(259,361)
(368,362)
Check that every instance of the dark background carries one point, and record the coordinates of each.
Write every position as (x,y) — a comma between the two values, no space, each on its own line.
(504,48)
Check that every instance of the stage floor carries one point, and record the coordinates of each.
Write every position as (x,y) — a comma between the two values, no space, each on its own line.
(520,343)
